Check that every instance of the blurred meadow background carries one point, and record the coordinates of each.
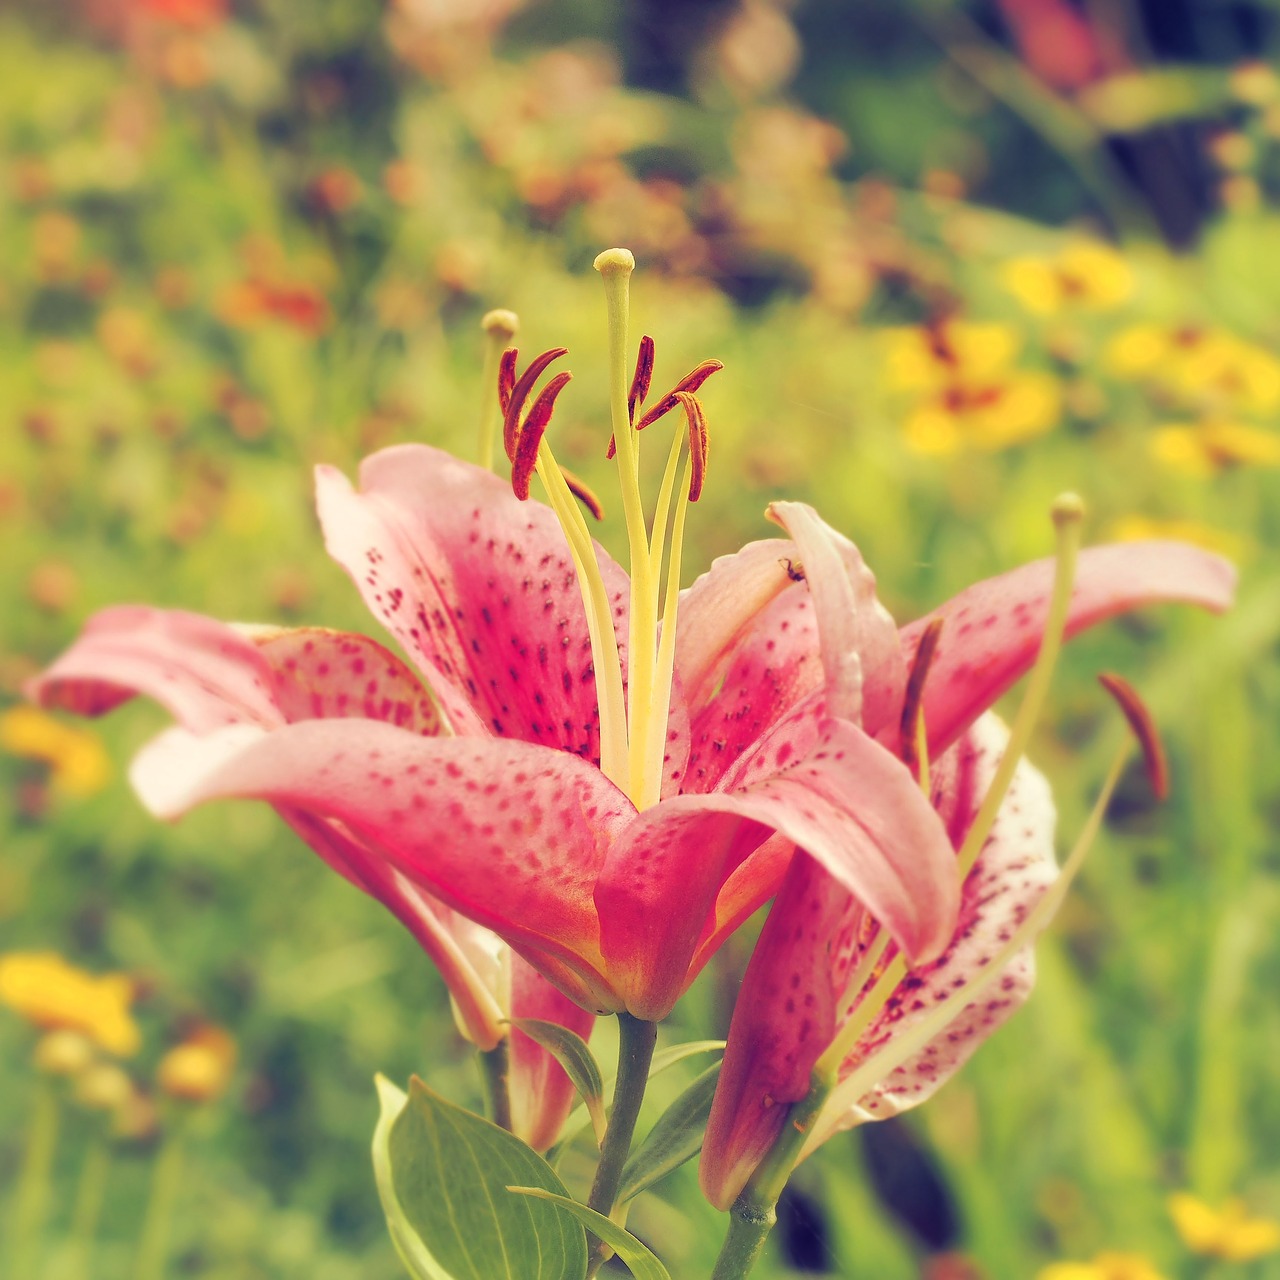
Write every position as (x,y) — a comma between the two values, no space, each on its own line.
(956,256)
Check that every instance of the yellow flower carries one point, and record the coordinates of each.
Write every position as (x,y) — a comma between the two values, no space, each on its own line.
(1136,351)
(1084,274)
(1208,448)
(199,1069)
(76,757)
(1106,1266)
(995,416)
(49,992)
(928,358)
(1227,1233)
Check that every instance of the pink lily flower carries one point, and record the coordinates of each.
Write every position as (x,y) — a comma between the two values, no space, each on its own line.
(815,971)
(509,821)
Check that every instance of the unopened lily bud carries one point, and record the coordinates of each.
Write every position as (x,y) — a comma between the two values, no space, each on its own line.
(63,1053)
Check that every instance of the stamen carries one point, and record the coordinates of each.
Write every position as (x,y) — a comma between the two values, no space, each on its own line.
(642,377)
(520,393)
(500,328)
(688,384)
(583,492)
(639,386)
(697,442)
(911,723)
(1068,516)
(529,436)
(506,377)
(1144,729)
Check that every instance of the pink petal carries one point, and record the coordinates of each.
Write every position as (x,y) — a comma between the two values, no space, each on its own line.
(772,665)
(853,807)
(793,998)
(204,673)
(541,1092)
(865,674)
(509,834)
(785,1016)
(477,586)
(657,888)
(320,674)
(1015,869)
(992,630)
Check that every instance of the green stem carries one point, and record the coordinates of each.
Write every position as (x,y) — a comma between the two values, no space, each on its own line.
(495,1072)
(166,1176)
(90,1194)
(31,1203)
(755,1211)
(636,1040)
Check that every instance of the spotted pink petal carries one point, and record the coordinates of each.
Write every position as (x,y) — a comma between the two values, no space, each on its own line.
(828,789)
(991,631)
(478,588)
(541,1091)
(204,673)
(858,641)
(1016,868)
(793,999)
(509,834)
(785,1016)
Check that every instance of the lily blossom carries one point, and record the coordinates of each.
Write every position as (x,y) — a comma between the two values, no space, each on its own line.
(616,793)
(820,982)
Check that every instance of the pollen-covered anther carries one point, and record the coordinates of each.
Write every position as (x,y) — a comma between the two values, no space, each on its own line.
(640,381)
(697,420)
(689,384)
(583,492)
(530,433)
(1144,729)
(506,378)
(519,393)
(913,699)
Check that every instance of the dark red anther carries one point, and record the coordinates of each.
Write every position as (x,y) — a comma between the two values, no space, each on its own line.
(530,434)
(642,378)
(688,384)
(697,420)
(519,394)
(914,695)
(583,492)
(506,377)
(1144,729)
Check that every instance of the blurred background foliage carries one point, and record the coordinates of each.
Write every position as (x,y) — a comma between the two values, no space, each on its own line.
(955,256)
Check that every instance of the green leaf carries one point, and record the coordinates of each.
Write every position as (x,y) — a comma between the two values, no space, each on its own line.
(675,1137)
(662,1060)
(442,1175)
(640,1261)
(571,1052)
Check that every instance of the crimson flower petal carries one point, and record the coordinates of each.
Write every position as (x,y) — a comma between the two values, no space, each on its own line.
(992,630)
(509,834)
(477,587)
